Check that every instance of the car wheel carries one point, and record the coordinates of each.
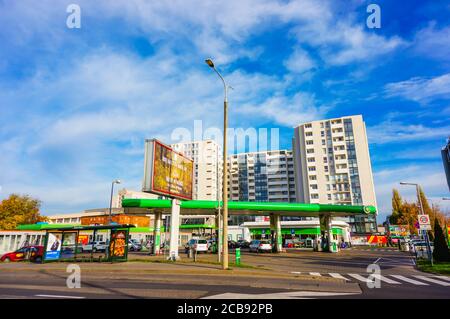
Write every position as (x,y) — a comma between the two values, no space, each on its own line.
(94,250)
(6,260)
(38,259)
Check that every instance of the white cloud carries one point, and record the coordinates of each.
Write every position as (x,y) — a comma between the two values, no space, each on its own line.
(345,41)
(291,111)
(299,62)
(421,89)
(391,131)
(434,42)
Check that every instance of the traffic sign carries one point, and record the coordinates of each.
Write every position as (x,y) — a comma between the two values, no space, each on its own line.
(424,220)
(425,227)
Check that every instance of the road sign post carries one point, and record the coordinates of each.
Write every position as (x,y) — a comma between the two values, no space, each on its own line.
(425,226)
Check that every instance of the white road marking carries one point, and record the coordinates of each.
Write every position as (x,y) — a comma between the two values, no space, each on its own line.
(296,272)
(443,277)
(338,276)
(385,279)
(280,295)
(360,278)
(411,281)
(58,296)
(376,260)
(315,274)
(433,280)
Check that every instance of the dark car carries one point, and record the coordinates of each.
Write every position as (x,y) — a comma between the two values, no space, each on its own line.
(242,243)
(232,244)
(32,253)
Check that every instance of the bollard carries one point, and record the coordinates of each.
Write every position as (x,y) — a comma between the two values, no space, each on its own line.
(238,256)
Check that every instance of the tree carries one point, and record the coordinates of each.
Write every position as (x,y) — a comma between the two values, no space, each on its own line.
(441,252)
(409,216)
(397,204)
(19,209)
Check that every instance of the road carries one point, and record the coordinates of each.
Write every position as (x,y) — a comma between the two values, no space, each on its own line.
(295,274)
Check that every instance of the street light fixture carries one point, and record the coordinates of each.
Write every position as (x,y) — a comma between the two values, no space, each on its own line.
(224,170)
(117,181)
(430,256)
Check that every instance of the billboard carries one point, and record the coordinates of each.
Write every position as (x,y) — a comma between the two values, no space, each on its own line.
(397,231)
(53,249)
(167,172)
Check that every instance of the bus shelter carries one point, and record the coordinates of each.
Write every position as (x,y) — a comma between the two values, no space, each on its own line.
(104,243)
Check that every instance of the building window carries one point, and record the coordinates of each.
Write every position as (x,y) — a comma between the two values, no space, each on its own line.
(314,196)
(310,142)
(310,151)
(309,134)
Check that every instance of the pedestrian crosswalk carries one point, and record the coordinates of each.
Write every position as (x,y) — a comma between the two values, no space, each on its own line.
(417,280)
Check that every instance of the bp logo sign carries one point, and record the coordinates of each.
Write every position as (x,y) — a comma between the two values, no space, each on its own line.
(367,209)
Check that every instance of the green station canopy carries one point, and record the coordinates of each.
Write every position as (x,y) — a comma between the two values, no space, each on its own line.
(205,207)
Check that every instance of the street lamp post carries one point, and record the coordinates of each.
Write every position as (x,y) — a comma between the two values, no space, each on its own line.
(224,171)
(430,256)
(117,181)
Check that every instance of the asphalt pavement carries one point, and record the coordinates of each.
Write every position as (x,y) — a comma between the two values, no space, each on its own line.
(291,275)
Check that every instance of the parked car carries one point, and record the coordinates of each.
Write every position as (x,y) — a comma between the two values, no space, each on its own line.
(200,245)
(97,246)
(242,243)
(34,253)
(232,244)
(260,246)
(134,245)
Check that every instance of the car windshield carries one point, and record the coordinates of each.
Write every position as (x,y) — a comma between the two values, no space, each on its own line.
(201,241)
(264,242)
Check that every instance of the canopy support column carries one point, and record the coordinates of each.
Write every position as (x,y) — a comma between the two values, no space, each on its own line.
(275,230)
(174,230)
(157,233)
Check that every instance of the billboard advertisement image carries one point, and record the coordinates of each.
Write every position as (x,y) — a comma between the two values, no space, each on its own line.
(53,249)
(167,172)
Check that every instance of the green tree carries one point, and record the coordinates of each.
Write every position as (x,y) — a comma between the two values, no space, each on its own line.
(441,252)
(19,209)
(397,205)
(428,211)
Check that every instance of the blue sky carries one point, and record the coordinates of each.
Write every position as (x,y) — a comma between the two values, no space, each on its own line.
(76,104)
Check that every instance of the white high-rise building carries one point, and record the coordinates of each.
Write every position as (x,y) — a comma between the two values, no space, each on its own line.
(332,166)
(266,176)
(207,157)
(262,176)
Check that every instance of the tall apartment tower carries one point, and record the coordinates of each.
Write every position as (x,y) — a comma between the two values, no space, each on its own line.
(262,176)
(332,166)
(207,157)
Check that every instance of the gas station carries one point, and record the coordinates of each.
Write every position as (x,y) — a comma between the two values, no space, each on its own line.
(275,210)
